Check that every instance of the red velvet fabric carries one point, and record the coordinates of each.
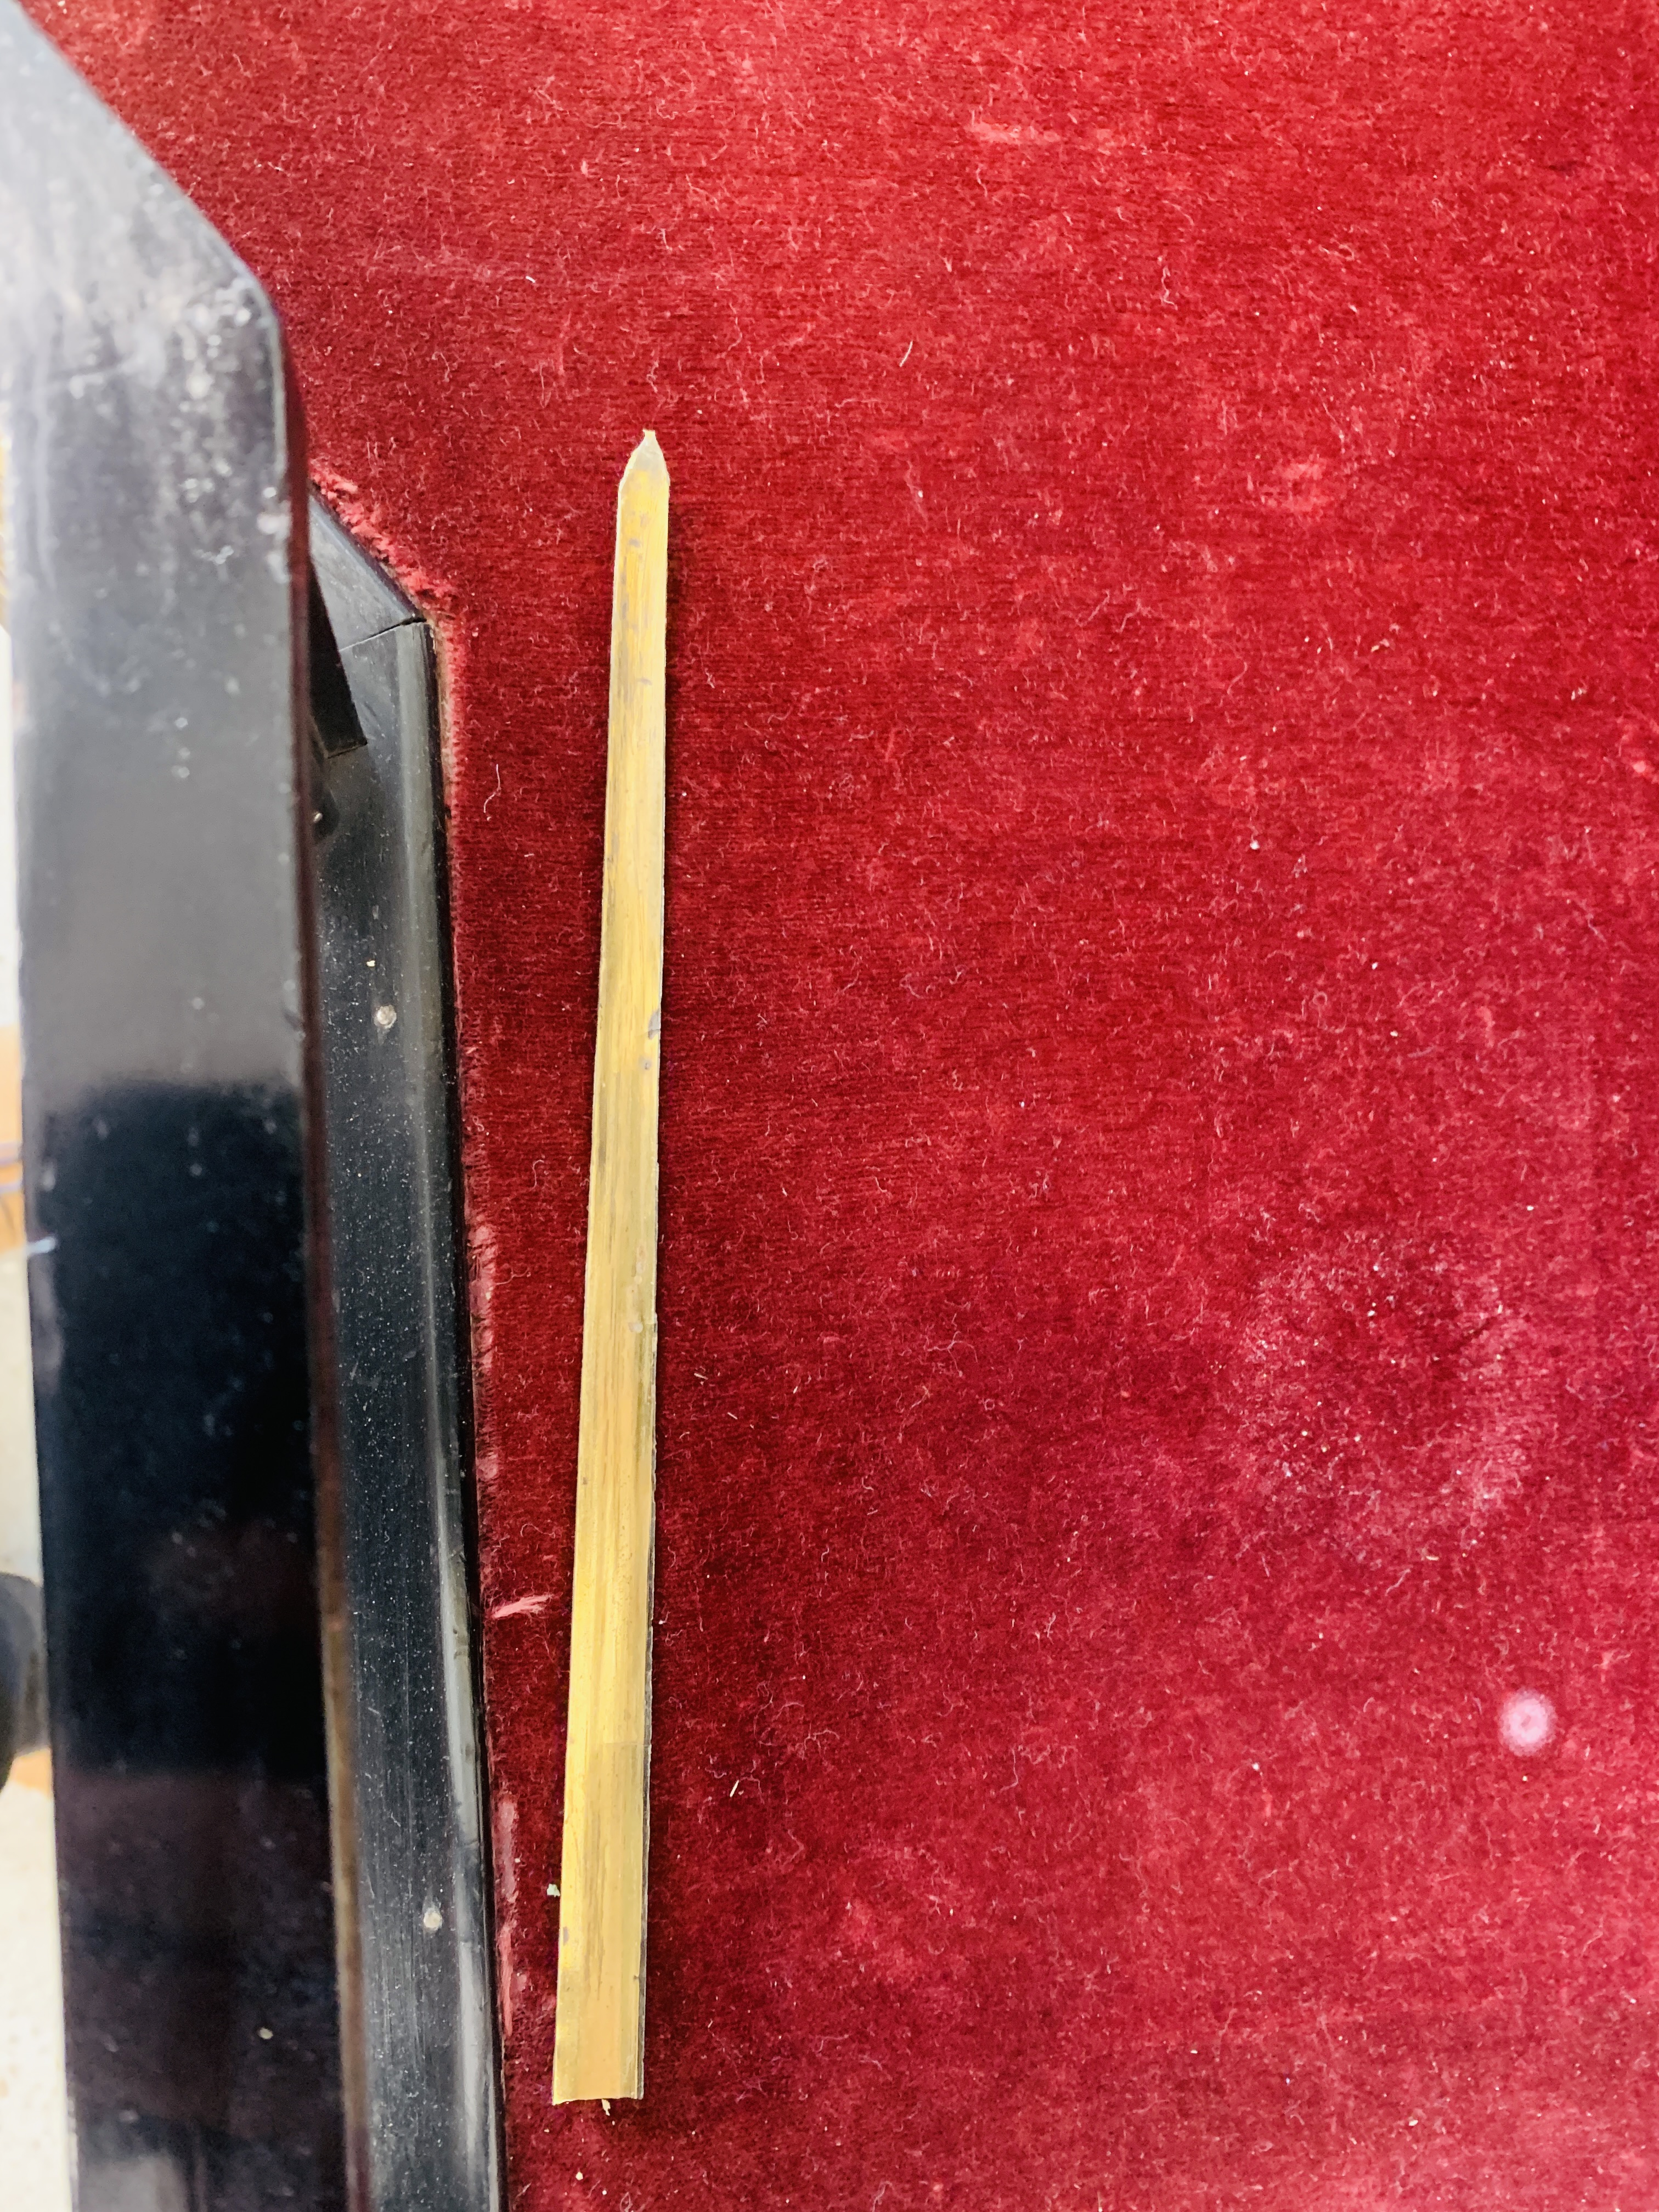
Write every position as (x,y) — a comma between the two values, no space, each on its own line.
(1158,1314)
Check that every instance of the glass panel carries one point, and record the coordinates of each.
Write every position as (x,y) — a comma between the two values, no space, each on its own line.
(34,2103)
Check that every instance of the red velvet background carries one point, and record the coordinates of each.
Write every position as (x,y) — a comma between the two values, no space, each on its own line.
(1158,1325)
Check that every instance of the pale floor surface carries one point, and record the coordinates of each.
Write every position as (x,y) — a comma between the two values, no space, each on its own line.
(33,2106)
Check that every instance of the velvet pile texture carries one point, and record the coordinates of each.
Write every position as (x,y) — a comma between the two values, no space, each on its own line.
(1155,1700)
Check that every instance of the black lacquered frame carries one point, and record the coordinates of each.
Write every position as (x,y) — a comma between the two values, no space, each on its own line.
(237,1155)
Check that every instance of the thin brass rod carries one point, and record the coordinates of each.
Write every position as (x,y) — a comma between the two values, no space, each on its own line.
(599,2029)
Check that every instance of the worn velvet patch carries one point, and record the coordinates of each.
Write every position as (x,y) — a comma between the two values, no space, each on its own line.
(1155,1701)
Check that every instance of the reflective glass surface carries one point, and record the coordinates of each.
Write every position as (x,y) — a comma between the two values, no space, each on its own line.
(33,2112)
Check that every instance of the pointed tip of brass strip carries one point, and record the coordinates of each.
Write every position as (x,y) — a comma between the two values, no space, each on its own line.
(646,456)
